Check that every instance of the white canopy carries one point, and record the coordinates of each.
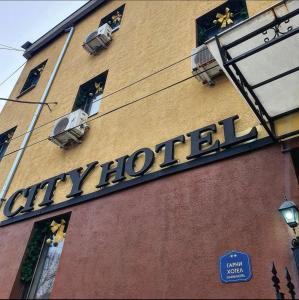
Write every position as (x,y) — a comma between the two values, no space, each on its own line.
(262,47)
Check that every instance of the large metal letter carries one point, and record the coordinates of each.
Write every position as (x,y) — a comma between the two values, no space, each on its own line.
(149,158)
(169,150)
(197,140)
(51,186)
(230,138)
(30,194)
(119,171)
(10,203)
(78,179)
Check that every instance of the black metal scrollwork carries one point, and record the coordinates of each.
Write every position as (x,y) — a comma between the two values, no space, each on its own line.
(277,31)
(245,89)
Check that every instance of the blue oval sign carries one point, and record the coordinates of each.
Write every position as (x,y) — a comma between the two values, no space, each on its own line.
(235,266)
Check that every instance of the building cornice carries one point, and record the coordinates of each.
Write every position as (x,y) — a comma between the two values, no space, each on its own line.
(70,21)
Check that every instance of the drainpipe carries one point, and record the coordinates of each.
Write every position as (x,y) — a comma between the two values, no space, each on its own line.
(20,153)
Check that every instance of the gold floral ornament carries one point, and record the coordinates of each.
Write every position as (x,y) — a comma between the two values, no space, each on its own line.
(39,71)
(99,88)
(58,233)
(225,19)
(116,18)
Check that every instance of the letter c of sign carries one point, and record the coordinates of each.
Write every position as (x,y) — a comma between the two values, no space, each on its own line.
(10,203)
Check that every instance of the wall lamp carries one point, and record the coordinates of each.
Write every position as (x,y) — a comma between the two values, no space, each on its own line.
(289,212)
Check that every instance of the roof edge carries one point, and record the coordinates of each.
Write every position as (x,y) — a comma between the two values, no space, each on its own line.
(70,21)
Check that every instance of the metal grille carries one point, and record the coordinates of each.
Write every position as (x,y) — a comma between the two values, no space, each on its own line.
(61,125)
(91,36)
(203,56)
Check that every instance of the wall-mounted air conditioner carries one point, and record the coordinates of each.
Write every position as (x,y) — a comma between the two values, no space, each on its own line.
(98,39)
(204,65)
(69,129)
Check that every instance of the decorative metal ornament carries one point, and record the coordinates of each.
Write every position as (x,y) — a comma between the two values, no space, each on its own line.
(224,20)
(98,87)
(116,18)
(40,69)
(58,232)
(279,29)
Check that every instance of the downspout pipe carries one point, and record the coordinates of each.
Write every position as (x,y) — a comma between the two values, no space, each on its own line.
(36,115)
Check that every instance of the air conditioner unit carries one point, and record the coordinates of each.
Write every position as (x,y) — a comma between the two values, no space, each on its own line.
(98,39)
(204,65)
(69,129)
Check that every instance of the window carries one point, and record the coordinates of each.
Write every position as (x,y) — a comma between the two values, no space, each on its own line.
(89,96)
(219,19)
(4,141)
(41,259)
(32,78)
(114,18)
(295,158)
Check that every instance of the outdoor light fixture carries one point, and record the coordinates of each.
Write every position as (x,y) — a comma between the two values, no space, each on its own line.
(289,212)
(260,57)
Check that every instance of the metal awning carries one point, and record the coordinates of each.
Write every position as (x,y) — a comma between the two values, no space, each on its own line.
(261,57)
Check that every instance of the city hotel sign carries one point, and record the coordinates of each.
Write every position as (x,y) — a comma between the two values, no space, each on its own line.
(20,205)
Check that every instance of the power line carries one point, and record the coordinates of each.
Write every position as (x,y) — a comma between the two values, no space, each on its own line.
(11,48)
(6,46)
(115,109)
(13,73)
(29,102)
(112,93)
(2,48)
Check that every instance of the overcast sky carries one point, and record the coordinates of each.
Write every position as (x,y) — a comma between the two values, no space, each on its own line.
(23,21)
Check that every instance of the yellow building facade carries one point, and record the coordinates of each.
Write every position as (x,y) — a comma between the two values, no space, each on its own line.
(154,38)
(136,51)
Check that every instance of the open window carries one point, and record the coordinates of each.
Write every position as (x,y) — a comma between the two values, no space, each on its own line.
(114,18)
(89,96)
(32,78)
(5,140)
(295,158)
(41,259)
(219,19)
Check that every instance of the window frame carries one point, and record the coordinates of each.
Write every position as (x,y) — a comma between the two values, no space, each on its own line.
(295,160)
(28,289)
(104,19)
(97,99)
(3,144)
(213,12)
(87,106)
(32,86)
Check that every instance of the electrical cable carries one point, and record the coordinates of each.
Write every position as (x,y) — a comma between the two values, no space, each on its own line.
(26,102)
(2,48)
(10,48)
(29,102)
(114,92)
(13,73)
(115,109)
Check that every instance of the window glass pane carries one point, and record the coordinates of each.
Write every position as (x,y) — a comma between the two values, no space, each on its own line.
(95,105)
(219,19)
(295,157)
(90,93)
(41,259)
(5,140)
(33,77)
(47,277)
(114,18)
